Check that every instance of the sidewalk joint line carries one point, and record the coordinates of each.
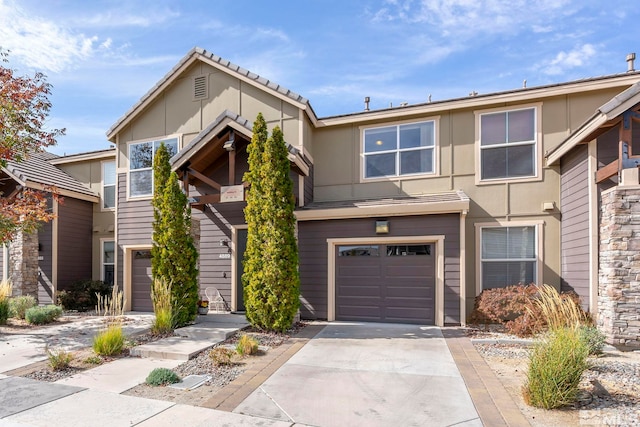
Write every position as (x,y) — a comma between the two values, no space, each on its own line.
(276,403)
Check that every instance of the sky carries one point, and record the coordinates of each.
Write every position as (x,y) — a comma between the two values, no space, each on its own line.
(102,56)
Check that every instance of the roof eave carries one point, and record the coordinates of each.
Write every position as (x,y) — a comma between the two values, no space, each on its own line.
(428,208)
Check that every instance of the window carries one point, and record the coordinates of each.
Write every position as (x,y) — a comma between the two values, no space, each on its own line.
(108,260)
(399,150)
(508,256)
(361,250)
(141,165)
(408,250)
(108,185)
(508,144)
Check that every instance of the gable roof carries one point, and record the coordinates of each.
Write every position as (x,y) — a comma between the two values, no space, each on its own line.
(604,117)
(196,54)
(240,124)
(36,172)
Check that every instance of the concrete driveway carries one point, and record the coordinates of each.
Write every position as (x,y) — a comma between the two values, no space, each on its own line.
(367,374)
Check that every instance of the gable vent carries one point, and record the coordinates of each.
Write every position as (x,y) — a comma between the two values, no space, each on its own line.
(200,88)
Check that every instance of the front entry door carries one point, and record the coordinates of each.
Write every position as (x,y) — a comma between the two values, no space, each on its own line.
(241,246)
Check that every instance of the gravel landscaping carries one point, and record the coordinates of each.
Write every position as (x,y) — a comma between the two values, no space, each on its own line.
(610,388)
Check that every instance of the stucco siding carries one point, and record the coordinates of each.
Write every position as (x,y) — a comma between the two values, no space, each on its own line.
(574,236)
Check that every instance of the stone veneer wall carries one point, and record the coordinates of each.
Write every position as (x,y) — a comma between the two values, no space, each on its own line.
(23,264)
(619,271)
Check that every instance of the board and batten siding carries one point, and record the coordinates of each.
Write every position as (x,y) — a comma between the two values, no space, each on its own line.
(574,234)
(75,228)
(312,244)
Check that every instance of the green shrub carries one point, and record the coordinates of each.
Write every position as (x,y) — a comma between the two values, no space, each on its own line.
(94,360)
(162,376)
(42,315)
(19,305)
(5,295)
(221,356)
(110,341)
(246,345)
(555,367)
(59,359)
(83,295)
(593,338)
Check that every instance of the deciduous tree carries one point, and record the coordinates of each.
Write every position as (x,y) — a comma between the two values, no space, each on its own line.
(24,108)
(271,280)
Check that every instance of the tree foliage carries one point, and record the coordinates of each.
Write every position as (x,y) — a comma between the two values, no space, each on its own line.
(24,108)
(174,255)
(271,280)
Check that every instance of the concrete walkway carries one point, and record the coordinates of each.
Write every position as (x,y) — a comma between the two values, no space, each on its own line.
(366,374)
(348,374)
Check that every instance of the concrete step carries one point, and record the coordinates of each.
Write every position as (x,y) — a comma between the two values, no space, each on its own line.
(206,332)
(174,348)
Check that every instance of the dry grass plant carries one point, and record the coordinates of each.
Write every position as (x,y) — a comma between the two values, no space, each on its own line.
(221,356)
(246,345)
(161,297)
(111,306)
(559,311)
(5,295)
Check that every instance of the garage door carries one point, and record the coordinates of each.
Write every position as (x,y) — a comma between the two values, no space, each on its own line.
(386,283)
(141,281)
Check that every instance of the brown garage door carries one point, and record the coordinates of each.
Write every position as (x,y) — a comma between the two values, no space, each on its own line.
(386,283)
(141,281)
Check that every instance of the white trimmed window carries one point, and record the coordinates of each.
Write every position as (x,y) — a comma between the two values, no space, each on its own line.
(141,156)
(108,261)
(399,150)
(509,256)
(108,185)
(508,144)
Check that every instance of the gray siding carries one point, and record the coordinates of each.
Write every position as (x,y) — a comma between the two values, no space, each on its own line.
(75,228)
(308,187)
(313,235)
(45,264)
(135,220)
(574,234)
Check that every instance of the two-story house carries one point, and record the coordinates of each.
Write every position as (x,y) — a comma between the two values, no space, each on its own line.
(404,214)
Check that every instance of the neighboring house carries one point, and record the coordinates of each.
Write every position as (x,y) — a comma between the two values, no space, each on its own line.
(61,251)
(404,214)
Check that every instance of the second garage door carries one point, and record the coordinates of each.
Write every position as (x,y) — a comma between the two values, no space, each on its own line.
(386,283)
(141,281)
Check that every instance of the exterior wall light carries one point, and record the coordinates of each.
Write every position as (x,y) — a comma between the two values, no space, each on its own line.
(382,227)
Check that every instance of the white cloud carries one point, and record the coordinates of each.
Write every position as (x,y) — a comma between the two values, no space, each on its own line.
(41,43)
(567,60)
(118,18)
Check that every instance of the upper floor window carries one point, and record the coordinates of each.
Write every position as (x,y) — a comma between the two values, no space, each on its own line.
(508,144)
(508,256)
(108,185)
(141,156)
(407,149)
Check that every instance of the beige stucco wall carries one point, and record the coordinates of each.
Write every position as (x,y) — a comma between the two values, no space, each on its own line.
(174,111)
(338,169)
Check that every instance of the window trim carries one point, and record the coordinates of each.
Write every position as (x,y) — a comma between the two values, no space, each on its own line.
(539,246)
(397,177)
(102,263)
(537,156)
(128,155)
(102,186)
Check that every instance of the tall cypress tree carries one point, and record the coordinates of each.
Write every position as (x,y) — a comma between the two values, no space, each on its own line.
(271,280)
(174,255)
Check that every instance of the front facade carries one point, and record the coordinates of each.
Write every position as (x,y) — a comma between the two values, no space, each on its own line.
(404,214)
